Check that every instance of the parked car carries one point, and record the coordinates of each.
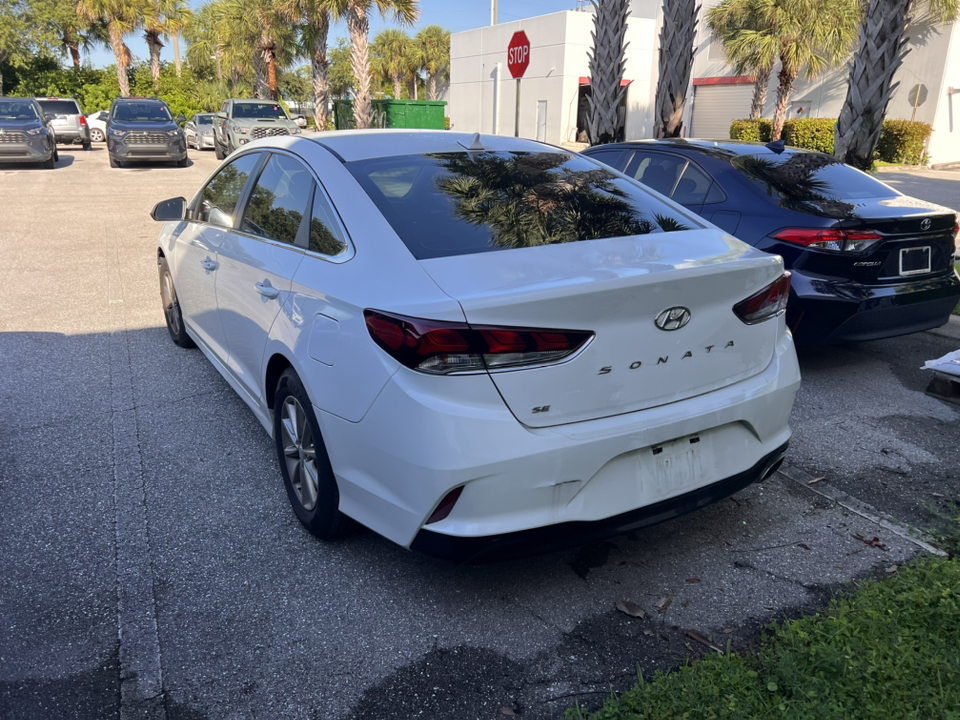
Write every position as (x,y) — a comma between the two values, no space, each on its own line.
(144,129)
(242,121)
(868,262)
(25,134)
(98,127)
(199,131)
(479,346)
(67,119)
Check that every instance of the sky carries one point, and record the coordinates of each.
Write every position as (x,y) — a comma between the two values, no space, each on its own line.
(453,15)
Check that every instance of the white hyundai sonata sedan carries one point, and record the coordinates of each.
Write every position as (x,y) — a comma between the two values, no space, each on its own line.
(480,346)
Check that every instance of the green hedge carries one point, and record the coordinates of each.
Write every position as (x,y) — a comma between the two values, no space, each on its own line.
(902,141)
(811,133)
(751,130)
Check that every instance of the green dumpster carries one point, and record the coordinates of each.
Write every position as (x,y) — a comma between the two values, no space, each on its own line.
(425,114)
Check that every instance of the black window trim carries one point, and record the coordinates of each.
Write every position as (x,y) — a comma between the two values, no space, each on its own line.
(689,161)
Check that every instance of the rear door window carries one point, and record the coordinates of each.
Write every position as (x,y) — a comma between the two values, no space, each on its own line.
(219,198)
(278,202)
(60,107)
(458,203)
(326,235)
(677,177)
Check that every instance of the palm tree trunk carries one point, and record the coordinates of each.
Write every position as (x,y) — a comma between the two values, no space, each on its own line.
(154,45)
(432,87)
(74,47)
(871,81)
(606,70)
(784,91)
(176,54)
(676,62)
(261,84)
(120,53)
(359,27)
(397,87)
(760,94)
(320,67)
(270,55)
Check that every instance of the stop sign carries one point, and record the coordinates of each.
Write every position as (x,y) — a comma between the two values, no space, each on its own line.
(518,54)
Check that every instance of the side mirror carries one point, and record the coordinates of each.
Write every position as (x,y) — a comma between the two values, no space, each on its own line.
(103,117)
(170,210)
(222,115)
(181,119)
(301,121)
(48,116)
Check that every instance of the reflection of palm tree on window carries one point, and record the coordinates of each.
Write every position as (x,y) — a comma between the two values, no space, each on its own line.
(264,219)
(528,199)
(794,182)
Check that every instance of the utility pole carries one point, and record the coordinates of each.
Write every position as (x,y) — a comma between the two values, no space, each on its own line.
(493,12)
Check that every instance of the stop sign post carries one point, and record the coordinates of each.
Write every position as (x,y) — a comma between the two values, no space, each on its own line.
(518,57)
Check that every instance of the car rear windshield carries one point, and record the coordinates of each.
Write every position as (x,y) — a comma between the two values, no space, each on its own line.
(798,175)
(14,110)
(258,111)
(60,107)
(142,112)
(470,202)
(204,119)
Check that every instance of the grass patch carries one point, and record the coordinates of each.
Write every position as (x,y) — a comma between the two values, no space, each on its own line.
(889,650)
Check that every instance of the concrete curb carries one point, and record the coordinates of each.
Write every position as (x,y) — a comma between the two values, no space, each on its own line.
(860,508)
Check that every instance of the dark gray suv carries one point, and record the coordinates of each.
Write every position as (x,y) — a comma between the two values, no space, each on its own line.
(25,134)
(144,129)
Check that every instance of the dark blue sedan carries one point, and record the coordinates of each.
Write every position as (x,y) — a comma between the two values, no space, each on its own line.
(868,262)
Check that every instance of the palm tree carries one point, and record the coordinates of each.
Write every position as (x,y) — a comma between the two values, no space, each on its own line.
(393,56)
(726,21)
(315,16)
(676,62)
(177,15)
(59,21)
(121,18)
(154,31)
(872,71)
(260,25)
(434,44)
(806,37)
(357,13)
(607,64)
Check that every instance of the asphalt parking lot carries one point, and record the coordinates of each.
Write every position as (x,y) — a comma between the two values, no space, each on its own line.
(153,568)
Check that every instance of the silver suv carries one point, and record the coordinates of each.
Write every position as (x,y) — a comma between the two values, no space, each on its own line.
(68,121)
(241,121)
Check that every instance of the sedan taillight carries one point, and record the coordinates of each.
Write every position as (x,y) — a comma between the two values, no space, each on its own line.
(769,302)
(835,240)
(443,348)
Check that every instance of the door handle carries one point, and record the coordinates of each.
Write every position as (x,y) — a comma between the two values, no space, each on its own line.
(268,291)
(208,265)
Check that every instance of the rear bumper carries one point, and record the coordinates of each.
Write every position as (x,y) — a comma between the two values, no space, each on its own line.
(68,137)
(823,312)
(593,478)
(492,548)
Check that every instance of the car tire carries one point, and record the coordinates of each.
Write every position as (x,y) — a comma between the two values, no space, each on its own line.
(183,163)
(171,307)
(217,151)
(56,154)
(114,163)
(304,463)
(96,135)
(51,163)
(86,145)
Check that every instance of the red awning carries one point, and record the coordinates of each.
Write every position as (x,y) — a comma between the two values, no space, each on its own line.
(586,81)
(726,80)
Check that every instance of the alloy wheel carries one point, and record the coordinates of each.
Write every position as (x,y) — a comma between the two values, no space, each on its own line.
(300,452)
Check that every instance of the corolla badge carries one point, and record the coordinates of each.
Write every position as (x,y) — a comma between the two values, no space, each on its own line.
(925,224)
(672,318)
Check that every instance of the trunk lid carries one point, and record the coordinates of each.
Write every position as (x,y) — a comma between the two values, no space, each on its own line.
(616,288)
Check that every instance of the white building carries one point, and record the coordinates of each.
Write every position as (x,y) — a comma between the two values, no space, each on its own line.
(482,95)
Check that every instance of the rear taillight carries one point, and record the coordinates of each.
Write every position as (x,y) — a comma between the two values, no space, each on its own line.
(442,348)
(835,240)
(83,120)
(769,302)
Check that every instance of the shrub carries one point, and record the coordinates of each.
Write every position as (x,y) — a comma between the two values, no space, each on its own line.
(811,133)
(902,141)
(751,130)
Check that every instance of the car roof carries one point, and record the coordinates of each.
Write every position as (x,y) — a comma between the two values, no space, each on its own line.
(352,145)
(158,101)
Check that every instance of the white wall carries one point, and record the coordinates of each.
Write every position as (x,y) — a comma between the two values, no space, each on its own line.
(558,59)
(944,146)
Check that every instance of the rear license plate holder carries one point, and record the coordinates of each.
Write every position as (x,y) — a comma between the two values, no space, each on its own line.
(915,260)
(60,121)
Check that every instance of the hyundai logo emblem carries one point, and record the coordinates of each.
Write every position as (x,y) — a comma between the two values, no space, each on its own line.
(925,224)
(672,318)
